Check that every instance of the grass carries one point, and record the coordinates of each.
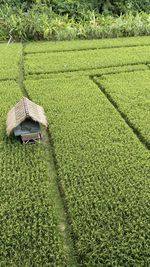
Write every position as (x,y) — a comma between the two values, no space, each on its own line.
(30,234)
(91,72)
(9,57)
(131,91)
(104,172)
(84,60)
(94,97)
(41,47)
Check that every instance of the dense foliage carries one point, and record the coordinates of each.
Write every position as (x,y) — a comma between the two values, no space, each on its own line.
(69,19)
(103,167)
(118,7)
(74,8)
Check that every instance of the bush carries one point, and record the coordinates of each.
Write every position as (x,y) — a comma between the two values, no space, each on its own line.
(120,7)
(43,22)
(72,7)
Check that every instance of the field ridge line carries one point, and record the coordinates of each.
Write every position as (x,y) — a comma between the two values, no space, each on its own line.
(34,77)
(22,73)
(63,223)
(87,69)
(148,65)
(137,133)
(64,218)
(83,49)
(8,79)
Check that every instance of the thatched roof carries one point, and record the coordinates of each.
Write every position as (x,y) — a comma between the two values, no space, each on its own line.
(22,110)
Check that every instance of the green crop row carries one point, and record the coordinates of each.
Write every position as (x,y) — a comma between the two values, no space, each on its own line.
(35,47)
(84,60)
(29,222)
(104,172)
(92,72)
(131,91)
(9,61)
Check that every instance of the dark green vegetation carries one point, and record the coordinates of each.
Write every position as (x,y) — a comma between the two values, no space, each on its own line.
(97,111)
(76,8)
(70,19)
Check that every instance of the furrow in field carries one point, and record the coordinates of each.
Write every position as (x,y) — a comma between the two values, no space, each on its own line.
(104,172)
(91,72)
(40,47)
(86,60)
(131,94)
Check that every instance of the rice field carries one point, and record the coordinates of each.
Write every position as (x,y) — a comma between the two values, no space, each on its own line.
(82,196)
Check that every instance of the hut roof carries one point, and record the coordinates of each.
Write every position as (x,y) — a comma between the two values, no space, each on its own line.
(22,110)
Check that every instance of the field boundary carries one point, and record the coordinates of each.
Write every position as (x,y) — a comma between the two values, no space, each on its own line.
(121,71)
(8,79)
(137,133)
(107,95)
(87,69)
(22,73)
(72,74)
(82,49)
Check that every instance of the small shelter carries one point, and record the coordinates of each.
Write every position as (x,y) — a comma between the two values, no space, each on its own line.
(24,120)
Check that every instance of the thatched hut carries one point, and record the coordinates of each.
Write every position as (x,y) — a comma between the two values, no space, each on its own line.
(24,120)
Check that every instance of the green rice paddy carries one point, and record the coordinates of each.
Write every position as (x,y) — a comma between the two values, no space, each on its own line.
(82,196)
